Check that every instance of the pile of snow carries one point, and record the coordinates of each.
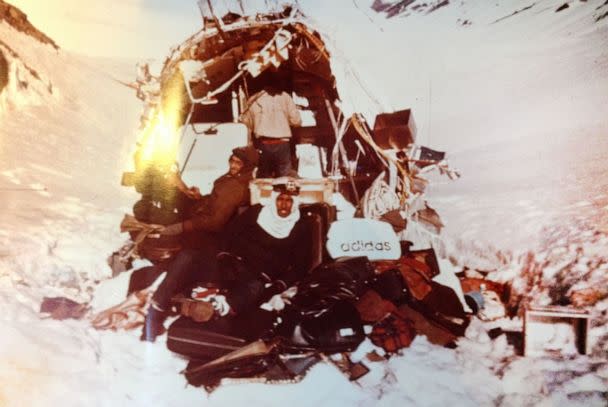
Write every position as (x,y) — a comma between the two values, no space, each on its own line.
(64,148)
(522,104)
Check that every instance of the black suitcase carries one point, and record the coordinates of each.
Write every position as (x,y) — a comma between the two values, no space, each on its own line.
(209,340)
(320,216)
(326,211)
(252,360)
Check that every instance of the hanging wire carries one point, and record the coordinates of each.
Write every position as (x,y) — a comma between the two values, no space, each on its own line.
(357,122)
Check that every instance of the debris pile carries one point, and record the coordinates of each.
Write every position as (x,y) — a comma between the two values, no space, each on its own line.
(374,276)
(386,287)
(332,311)
(570,269)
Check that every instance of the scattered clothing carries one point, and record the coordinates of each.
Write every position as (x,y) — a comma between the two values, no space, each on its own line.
(63,308)
(129,314)
(131,224)
(373,308)
(394,332)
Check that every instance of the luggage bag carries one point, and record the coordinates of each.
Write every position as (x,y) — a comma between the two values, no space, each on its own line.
(210,340)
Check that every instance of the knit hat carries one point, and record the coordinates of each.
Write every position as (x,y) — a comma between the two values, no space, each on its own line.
(249,155)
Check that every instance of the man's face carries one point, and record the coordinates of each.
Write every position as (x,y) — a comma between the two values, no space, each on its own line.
(284,205)
(235,165)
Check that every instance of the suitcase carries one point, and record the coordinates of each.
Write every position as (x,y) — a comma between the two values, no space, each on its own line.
(252,360)
(326,211)
(338,329)
(314,240)
(209,340)
(321,215)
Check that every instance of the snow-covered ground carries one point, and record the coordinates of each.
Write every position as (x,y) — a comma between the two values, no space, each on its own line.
(520,105)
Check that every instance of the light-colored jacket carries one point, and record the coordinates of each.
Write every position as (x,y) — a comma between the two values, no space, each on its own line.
(271,116)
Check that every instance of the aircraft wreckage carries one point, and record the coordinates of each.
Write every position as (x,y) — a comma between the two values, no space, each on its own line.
(380,274)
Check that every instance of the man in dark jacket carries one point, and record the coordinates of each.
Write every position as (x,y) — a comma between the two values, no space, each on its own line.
(213,211)
(263,252)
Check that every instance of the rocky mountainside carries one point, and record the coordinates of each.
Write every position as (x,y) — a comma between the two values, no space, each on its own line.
(18,20)
(395,8)
(17,76)
(398,8)
(3,71)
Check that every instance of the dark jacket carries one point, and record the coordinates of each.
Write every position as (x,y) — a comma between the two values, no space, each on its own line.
(264,259)
(215,210)
(263,254)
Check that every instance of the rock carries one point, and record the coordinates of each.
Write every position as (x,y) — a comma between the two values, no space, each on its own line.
(18,20)
(14,13)
(3,72)
(589,398)
(587,297)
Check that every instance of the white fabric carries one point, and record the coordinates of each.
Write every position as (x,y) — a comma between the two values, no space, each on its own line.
(309,161)
(270,116)
(345,209)
(379,199)
(275,225)
(278,301)
(447,277)
(220,304)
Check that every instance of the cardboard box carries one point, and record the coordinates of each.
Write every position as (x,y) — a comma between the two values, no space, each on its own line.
(395,130)
(311,190)
(556,330)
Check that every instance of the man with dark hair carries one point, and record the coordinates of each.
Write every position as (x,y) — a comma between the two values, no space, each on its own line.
(263,249)
(269,115)
(213,211)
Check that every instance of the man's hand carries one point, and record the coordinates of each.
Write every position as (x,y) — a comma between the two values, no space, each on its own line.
(193,193)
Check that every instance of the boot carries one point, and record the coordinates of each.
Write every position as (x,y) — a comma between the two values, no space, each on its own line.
(153,325)
(199,311)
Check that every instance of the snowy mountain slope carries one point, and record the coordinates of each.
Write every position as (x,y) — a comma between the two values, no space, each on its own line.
(519,101)
(61,156)
(65,134)
(520,105)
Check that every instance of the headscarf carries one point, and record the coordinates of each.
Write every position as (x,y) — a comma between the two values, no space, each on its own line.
(275,225)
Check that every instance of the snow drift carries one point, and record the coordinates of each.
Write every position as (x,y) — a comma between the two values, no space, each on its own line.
(520,101)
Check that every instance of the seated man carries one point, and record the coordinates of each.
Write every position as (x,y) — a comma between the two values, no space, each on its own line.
(266,245)
(213,211)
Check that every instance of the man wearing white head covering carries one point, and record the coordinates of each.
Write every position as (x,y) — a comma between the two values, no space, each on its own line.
(269,238)
(264,247)
(277,217)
